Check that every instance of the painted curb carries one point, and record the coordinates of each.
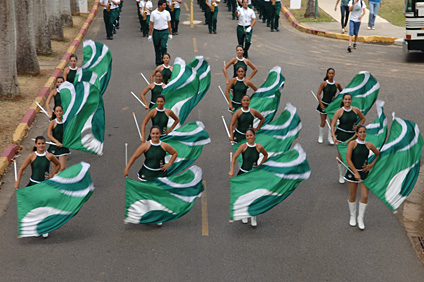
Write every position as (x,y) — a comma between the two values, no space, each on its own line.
(20,132)
(298,26)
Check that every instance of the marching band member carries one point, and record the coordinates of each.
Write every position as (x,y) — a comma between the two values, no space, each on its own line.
(156,89)
(160,30)
(145,8)
(55,134)
(247,20)
(212,14)
(159,117)
(110,14)
(243,119)
(165,68)
(174,7)
(239,60)
(357,159)
(347,117)
(55,95)
(275,14)
(250,153)
(239,85)
(329,89)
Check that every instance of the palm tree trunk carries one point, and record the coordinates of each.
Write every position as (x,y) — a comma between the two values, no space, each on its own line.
(310,9)
(43,43)
(65,13)
(75,11)
(55,20)
(9,87)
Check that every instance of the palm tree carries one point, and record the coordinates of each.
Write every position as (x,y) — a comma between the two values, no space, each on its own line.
(310,9)
(43,43)
(55,20)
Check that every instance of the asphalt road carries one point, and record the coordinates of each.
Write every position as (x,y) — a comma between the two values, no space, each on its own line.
(305,238)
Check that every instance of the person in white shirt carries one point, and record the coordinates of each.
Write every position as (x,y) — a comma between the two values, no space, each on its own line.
(175,14)
(145,8)
(212,17)
(160,29)
(357,11)
(275,15)
(110,14)
(247,20)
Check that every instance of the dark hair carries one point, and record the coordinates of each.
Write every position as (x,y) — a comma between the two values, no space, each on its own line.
(53,114)
(166,54)
(36,139)
(251,129)
(161,96)
(155,126)
(241,46)
(342,104)
(326,74)
(161,2)
(241,67)
(360,126)
(60,77)
(73,56)
(244,96)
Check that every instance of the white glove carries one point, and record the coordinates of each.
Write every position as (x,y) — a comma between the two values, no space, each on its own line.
(249,29)
(170,37)
(149,38)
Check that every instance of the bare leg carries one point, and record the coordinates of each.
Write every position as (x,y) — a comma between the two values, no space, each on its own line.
(62,161)
(364,193)
(323,118)
(353,188)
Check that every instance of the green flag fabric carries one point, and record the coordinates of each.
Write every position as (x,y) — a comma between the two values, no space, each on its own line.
(183,86)
(376,133)
(267,98)
(201,66)
(396,171)
(265,186)
(277,136)
(46,206)
(84,117)
(364,89)
(98,61)
(162,199)
(188,140)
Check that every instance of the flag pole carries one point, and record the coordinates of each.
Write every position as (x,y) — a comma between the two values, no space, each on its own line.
(145,78)
(226,128)
(340,161)
(231,158)
(15,170)
(222,92)
(47,142)
(136,123)
(47,114)
(315,96)
(126,154)
(141,102)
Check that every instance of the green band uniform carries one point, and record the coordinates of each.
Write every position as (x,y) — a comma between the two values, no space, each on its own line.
(244,122)
(58,134)
(57,100)
(166,74)
(359,159)
(71,75)
(40,168)
(239,90)
(154,159)
(345,130)
(239,63)
(328,94)
(250,158)
(161,120)
(156,91)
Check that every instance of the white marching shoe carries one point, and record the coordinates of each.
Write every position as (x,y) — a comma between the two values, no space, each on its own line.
(342,172)
(321,135)
(361,213)
(159,224)
(45,235)
(253,221)
(352,209)
(330,137)
(245,220)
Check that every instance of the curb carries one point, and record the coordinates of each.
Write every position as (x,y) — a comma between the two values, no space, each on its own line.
(298,26)
(20,132)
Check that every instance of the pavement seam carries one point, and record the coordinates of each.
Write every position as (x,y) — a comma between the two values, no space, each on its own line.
(369,39)
(22,128)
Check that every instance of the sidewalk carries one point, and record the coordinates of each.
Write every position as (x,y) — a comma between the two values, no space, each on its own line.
(384,31)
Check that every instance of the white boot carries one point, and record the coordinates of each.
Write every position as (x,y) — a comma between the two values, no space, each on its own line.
(253,221)
(362,208)
(342,172)
(245,220)
(321,135)
(330,137)
(352,209)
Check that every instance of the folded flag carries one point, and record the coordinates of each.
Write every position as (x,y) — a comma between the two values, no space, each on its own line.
(267,98)
(396,171)
(203,70)
(364,89)
(46,206)
(188,140)
(265,186)
(84,117)
(162,199)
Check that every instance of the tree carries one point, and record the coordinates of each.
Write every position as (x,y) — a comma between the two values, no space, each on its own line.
(310,9)
(55,20)
(65,13)
(9,87)
(26,55)
(75,10)
(43,43)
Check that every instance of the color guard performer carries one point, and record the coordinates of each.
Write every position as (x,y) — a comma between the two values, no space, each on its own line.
(160,30)
(239,85)
(165,68)
(239,60)
(247,20)
(156,88)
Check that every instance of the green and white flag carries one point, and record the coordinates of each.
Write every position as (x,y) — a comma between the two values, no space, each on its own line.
(376,133)
(98,63)
(188,140)
(277,136)
(364,89)
(396,171)
(162,199)
(267,98)
(183,85)
(46,206)
(265,186)
(203,70)
(84,117)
